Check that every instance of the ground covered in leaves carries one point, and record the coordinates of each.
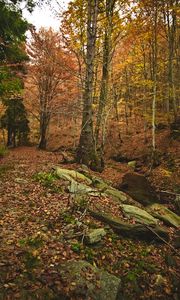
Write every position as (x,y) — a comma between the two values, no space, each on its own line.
(37,219)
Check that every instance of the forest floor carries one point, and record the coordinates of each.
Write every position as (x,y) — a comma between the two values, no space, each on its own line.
(34,219)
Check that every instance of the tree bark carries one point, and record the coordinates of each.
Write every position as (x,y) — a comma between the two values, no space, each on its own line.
(105,69)
(154,76)
(44,121)
(171,19)
(86,153)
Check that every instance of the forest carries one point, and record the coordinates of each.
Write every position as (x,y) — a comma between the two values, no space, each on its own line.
(89,150)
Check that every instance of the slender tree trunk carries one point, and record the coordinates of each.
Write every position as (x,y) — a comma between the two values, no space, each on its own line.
(44,121)
(171,19)
(154,77)
(86,153)
(105,69)
(144,95)
(14,138)
(127,101)
(9,136)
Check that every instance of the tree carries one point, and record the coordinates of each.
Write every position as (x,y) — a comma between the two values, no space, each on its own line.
(107,56)
(50,69)
(15,122)
(12,51)
(86,153)
(99,50)
(170,19)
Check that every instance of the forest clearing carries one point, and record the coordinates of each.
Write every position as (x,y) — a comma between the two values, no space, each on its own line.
(89,150)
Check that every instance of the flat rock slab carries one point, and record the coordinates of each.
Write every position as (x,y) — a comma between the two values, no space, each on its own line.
(166,215)
(88,282)
(140,231)
(139,215)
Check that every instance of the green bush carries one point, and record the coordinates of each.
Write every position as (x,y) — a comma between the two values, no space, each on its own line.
(47,180)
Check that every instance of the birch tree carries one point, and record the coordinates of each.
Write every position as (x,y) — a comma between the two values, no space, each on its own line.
(86,153)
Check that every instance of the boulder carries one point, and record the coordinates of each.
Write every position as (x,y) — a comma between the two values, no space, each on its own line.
(135,231)
(166,215)
(94,236)
(138,187)
(139,215)
(84,281)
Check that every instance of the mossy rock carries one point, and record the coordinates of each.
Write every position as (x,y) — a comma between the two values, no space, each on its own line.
(71,174)
(139,215)
(94,236)
(81,188)
(88,282)
(115,194)
(135,231)
(166,215)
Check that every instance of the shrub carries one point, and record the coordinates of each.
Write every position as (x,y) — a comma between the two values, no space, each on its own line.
(47,180)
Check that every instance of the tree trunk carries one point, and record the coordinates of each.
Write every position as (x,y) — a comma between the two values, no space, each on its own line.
(86,153)
(44,121)
(105,69)
(154,77)
(9,137)
(171,19)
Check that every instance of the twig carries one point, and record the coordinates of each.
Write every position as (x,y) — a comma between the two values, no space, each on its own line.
(170,246)
(170,193)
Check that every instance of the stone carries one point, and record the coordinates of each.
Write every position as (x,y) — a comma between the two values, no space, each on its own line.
(166,215)
(139,215)
(122,197)
(115,194)
(94,236)
(140,231)
(138,187)
(132,164)
(80,188)
(88,282)
(71,174)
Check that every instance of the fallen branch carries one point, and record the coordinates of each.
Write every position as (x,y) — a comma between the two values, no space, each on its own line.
(169,245)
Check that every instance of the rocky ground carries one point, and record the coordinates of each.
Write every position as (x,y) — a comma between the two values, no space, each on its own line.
(42,226)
